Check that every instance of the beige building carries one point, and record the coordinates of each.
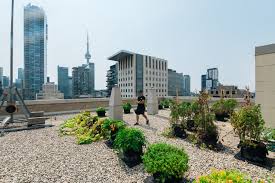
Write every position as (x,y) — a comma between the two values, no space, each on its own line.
(138,72)
(265,82)
(49,91)
(228,91)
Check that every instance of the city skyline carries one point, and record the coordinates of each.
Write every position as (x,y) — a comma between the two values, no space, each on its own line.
(207,37)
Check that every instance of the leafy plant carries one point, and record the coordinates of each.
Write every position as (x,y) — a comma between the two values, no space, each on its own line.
(165,162)
(268,134)
(130,139)
(207,130)
(230,105)
(111,127)
(248,123)
(175,113)
(100,109)
(165,103)
(127,106)
(224,176)
(219,107)
(84,126)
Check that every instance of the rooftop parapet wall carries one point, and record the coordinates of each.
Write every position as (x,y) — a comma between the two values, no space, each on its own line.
(69,105)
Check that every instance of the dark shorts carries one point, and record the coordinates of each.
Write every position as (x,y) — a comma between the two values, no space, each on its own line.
(140,110)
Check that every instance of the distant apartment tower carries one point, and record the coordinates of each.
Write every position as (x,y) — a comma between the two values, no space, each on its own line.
(175,83)
(63,80)
(265,82)
(35,50)
(83,77)
(203,82)
(49,92)
(6,81)
(112,76)
(20,79)
(138,72)
(186,85)
(212,78)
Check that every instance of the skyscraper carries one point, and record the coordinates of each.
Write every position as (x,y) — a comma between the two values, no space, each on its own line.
(186,85)
(203,82)
(111,78)
(6,81)
(83,77)
(35,50)
(138,72)
(63,80)
(20,78)
(212,80)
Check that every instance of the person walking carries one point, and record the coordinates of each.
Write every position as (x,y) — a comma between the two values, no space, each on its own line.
(141,108)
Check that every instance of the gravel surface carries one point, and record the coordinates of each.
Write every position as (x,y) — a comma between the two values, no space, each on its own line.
(42,156)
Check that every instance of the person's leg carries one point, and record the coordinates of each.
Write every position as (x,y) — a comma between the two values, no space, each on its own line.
(147,120)
(137,117)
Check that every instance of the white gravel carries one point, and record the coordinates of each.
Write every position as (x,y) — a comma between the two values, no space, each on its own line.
(42,156)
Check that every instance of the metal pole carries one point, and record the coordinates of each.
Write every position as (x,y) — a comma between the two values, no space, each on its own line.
(11,56)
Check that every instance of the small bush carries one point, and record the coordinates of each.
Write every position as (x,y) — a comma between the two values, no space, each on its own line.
(230,105)
(127,106)
(101,111)
(224,176)
(165,161)
(112,127)
(130,139)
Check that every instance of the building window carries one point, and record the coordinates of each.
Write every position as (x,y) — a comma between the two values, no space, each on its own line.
(233,92)
(227,92)
(146,61)
(217,92)
(157,64)
(149,62)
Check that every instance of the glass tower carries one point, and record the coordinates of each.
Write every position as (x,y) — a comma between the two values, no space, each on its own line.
(186,85)
(63,80)
(35,50)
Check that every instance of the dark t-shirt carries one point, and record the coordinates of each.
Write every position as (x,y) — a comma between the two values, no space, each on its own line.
(140,98)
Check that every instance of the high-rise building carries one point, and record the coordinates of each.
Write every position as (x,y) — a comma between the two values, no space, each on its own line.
(70,93)
(175,83)
(83,77)
(21,73)
(212,80)
(63,80)
(20,79)
(203,82)
(6,81)
(112,75)
(265,82)
(35,50)
(138,72)
(186,85)
(1,74)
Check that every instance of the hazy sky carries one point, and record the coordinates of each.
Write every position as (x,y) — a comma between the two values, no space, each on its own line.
(192,35)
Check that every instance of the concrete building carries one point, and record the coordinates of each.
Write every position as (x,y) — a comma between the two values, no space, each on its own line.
(49,91)
(186,85)
(112,75)
(265,82)
(212,78)
(63,80)
(83,77)
(228,91)
(35,50)
(138,72)
(203,82)
(175,83)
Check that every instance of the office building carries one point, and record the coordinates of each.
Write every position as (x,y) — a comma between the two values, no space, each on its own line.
(112,75)
(186,85)
(83,77)
(63,80)
(35,50)
(1,74)
(265,82)
(138,72)
(203,82)
(70,93)
(6,81)
(212,78)
(175,83)
(49,92)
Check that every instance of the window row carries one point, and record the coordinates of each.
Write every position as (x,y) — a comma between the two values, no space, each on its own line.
(126,63)
(154,63)
(125,84)
(155,79)
(157,84)
(157,73)
(126,79)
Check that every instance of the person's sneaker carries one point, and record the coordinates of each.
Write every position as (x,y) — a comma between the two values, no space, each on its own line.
(136,124)
(147,122)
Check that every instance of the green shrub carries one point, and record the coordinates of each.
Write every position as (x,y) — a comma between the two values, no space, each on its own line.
(268,134)
(248,123)
(130,139)
(224,176)
(219,107)
(127,106)
(230,105)
(100,109)
(165,160)
(165,103)
(111,127)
